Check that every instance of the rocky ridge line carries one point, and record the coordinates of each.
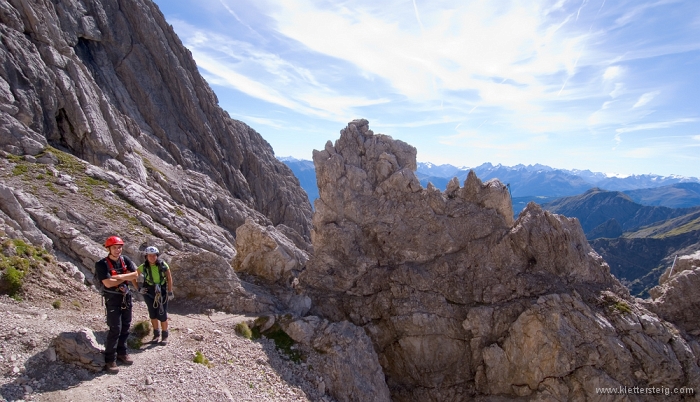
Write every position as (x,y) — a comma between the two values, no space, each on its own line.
(460,301)
(109,82)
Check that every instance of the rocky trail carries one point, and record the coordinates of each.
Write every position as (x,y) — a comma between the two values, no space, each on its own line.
(239,369)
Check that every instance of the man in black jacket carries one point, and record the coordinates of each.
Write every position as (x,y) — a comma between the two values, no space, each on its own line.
(115,271)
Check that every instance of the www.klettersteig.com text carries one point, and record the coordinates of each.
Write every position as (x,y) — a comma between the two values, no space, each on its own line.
(622,390)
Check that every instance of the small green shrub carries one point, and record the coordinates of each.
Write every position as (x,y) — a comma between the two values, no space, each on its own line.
(67,162)
(19,170)
(13,158)
(200,359)
(56,304)
(53,188)
(243,330)
(19,263)
(141,328)
(77,304)
(134,342)
(22,248)
(12,279)
(622,307)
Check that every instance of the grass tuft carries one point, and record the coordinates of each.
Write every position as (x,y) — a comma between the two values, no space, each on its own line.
(19,170)
(200,359)
(622,307)
(56,304)
(141,328)
(244,330)
(12,281)
(134,343)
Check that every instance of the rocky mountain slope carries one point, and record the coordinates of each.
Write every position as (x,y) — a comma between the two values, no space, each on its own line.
(404,293)
(460,301)
(637,241)
(109,82)
(597,207)
(681,195)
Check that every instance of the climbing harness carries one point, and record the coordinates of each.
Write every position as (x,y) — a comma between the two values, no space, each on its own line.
(123,288)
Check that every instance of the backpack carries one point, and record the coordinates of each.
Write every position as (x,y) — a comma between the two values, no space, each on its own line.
(101,289)
(147,272)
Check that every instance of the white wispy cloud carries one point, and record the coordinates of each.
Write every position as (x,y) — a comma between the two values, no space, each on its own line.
(655,125)
(619,90)
(635,10)
(494,76)
(612,72)
(264,121)
(240,21)
(645,98)
(457,49)
(266,76)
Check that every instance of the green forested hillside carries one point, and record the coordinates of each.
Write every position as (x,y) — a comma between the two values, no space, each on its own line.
(638,242)
(597,207)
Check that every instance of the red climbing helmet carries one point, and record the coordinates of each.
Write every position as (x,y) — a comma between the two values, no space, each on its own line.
(113,240)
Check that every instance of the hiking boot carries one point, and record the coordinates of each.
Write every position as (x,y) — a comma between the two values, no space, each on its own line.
(156,336)
(125,360)
(164,341)
(111,368)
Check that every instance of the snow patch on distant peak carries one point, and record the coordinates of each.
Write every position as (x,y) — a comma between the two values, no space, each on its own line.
(617,175)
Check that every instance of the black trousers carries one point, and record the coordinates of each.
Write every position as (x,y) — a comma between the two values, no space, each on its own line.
(159,313)
(119,322)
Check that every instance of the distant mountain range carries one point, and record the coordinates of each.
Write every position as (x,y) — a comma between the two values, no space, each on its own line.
(637,241)
(306,173)
(610,213)
(637,223)
(542,183)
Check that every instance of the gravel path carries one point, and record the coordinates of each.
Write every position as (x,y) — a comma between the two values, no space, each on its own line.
(239,370)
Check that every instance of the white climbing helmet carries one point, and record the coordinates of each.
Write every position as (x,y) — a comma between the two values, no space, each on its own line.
(151,250)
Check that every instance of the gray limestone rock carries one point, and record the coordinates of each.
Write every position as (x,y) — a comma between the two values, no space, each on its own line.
(460,301)
(80,348)
(677,298)
(347,361)
(266,253)
(14,210)
(681,263)
(114,86)
(207,280)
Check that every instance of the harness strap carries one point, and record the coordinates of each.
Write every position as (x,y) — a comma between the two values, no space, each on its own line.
(147,273)
(113,271)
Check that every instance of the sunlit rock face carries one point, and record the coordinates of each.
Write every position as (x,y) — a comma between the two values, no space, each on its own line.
(677,297)
(461,301)
(111,83)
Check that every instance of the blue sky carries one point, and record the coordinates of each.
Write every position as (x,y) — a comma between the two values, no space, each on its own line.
(610,86)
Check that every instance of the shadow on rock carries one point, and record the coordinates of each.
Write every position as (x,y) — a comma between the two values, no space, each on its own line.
(72,358)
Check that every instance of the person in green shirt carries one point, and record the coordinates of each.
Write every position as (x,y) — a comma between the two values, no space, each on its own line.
(157,291)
